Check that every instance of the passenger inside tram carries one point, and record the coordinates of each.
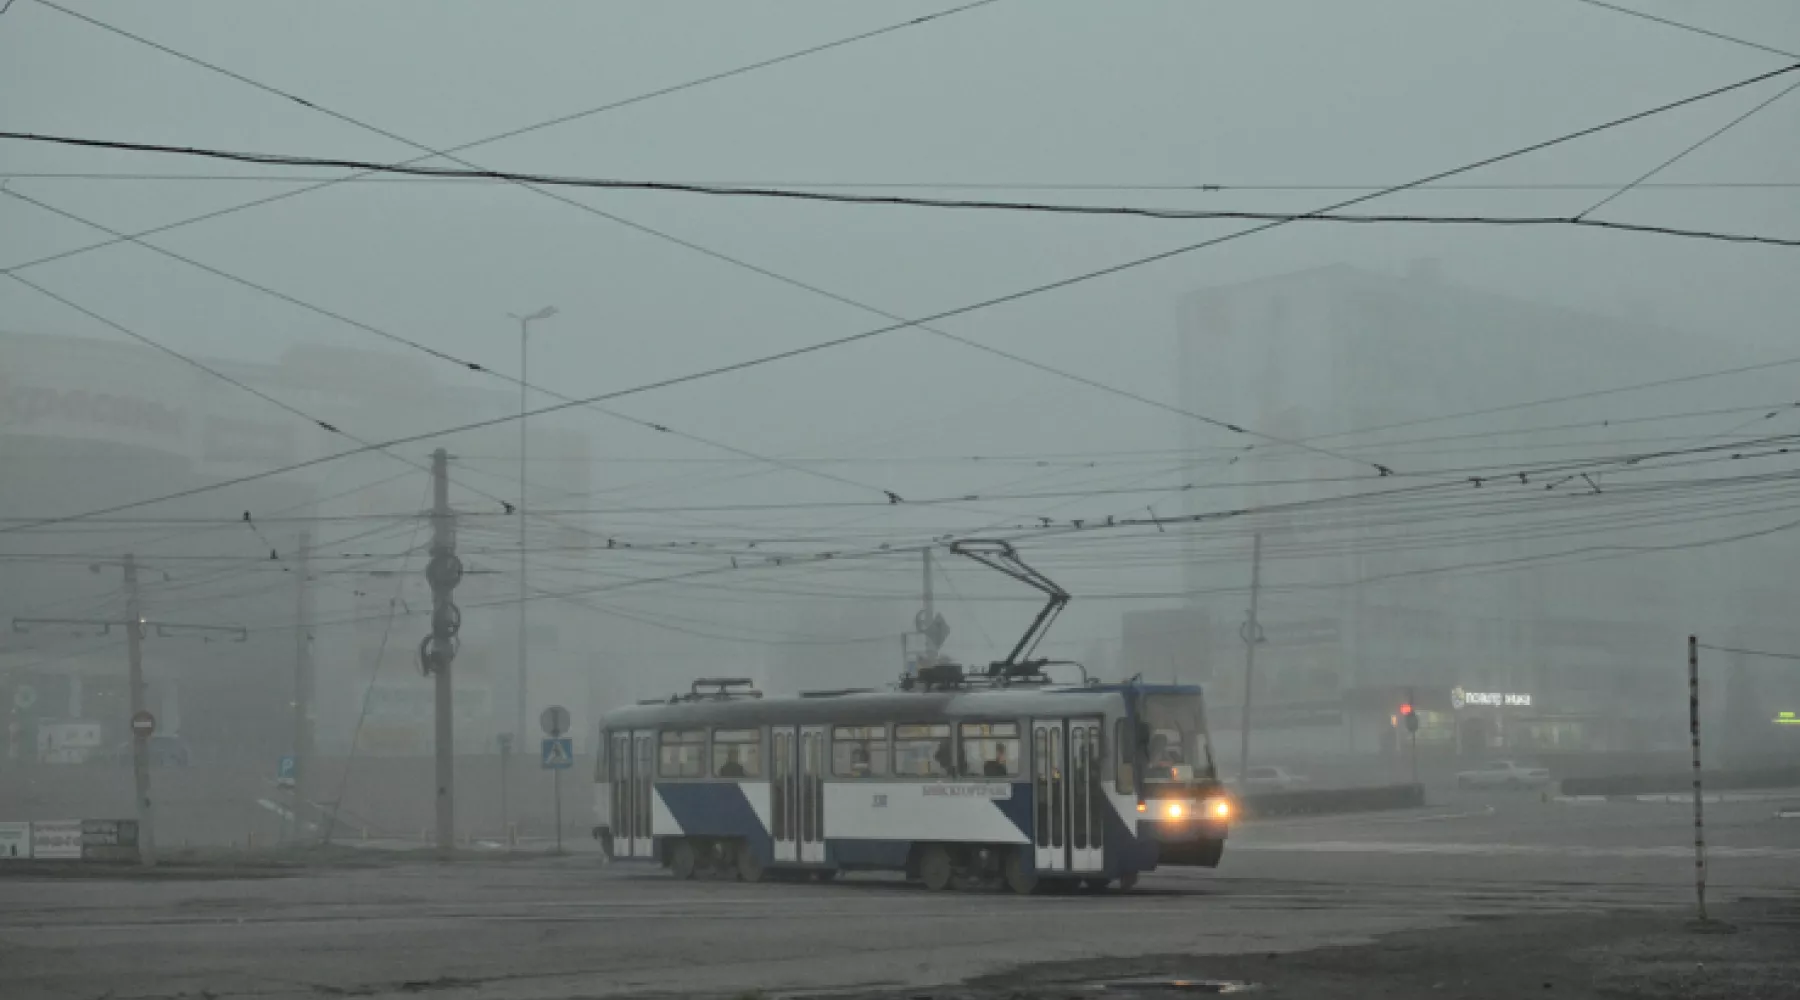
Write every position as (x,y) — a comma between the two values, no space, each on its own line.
(731,768)
(996,765)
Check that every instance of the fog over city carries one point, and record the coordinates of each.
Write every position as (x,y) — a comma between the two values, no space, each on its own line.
(1399,383)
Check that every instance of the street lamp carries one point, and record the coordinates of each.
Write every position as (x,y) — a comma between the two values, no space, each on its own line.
(524,377)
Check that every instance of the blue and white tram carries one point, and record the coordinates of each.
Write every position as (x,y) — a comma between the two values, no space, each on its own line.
(1042,784)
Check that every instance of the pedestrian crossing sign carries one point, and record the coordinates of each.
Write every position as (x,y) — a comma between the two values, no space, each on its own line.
(559,754)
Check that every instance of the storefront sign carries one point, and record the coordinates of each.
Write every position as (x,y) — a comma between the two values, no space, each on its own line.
(15,841)
(56,839)
(1488,699)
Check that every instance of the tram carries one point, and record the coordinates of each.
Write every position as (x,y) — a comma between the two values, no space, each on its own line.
(1033,784)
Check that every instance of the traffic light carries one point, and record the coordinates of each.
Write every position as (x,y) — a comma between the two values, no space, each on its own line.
(1411,717)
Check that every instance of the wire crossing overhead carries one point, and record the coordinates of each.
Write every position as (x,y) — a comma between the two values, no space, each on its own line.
(1578,220)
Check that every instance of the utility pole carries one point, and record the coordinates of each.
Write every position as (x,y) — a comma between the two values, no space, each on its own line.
(140,745)
(303,682)
(443,572)
(1252,635)
(136,628)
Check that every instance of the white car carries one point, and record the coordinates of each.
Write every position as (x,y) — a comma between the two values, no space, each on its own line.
(1271,779)
(1502,774)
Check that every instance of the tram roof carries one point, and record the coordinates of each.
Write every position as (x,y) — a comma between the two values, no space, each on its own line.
(868,707)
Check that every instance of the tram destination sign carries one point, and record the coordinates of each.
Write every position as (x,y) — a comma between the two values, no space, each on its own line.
(982,790)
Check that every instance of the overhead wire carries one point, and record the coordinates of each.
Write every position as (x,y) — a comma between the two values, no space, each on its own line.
(538,182)
(1671,161)
(957,311)
(1695,29)
(510,134)
(1191,188)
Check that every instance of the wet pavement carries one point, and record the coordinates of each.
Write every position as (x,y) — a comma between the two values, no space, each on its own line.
(540,928)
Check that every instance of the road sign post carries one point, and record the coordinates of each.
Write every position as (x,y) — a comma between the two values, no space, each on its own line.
(558,756)
(506,741)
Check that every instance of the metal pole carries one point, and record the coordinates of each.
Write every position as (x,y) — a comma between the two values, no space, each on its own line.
(1252,636)
(505,759)
(140,744)
(443,572)
(1694,734)
(302,684)
(556,786)
(524,560)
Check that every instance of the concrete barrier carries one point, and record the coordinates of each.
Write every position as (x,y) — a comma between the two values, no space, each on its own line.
(1331,800)
(1712,781)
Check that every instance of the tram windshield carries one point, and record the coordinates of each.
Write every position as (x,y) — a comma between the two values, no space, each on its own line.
(1177,748)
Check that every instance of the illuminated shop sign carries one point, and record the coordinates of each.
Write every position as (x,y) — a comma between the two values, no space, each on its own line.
(1786,719)
(1489,699)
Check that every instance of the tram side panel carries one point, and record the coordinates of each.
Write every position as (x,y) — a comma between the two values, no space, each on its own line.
(874,824)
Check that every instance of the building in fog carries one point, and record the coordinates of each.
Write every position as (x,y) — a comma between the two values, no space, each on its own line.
(1356,611)
(86,423)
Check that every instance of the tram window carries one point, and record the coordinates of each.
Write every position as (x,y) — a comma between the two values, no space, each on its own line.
(737,753)
(990,749)
(683,754)
(1123,748)
(859,751)
(922,751)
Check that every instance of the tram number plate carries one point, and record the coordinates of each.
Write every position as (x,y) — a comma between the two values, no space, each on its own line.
(981,791)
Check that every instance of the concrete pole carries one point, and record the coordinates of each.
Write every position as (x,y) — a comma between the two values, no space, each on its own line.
(443,572)
(140,745)
(1693,652)
(1252,636)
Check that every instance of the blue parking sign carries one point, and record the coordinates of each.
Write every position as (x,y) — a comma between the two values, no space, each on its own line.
(284,770)
(559,754)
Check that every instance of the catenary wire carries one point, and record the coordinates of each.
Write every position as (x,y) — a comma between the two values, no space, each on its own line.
(537,182)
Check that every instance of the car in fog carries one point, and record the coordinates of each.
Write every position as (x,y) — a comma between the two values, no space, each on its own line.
(1502,774)
(1271,778)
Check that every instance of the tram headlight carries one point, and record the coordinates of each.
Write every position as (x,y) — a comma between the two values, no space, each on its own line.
(1218,808)
(1173,810)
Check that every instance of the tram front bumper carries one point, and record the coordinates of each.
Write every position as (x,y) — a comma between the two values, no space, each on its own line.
(1183,820)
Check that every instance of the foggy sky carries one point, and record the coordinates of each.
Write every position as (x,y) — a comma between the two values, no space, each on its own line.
(1014,93)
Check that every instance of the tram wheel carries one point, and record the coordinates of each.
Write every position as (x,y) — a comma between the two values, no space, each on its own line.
(1128,881)
(825,874)
(1019,879)
(682,861)
(1095,884)
(935,868)
(749,867)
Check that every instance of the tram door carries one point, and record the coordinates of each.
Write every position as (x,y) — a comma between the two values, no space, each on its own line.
(1068,819)
(628,783)
(784,792)
(812,794)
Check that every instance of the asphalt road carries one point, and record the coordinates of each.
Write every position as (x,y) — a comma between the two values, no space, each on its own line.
(510,929)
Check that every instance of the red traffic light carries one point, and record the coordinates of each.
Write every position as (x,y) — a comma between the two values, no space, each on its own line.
(1406,710)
